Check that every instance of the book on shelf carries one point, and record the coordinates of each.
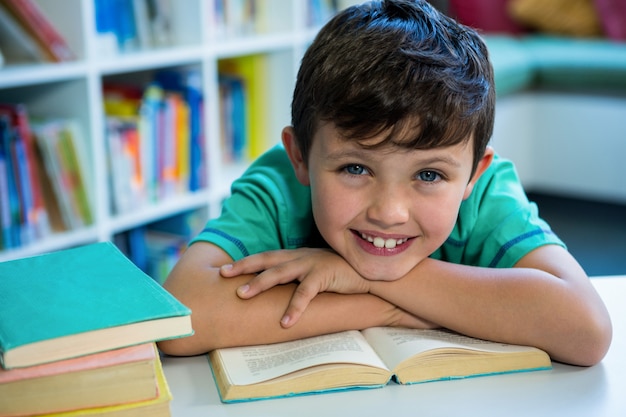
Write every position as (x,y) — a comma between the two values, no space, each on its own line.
(10,218)
(155,136)
(52,45)
(34,215)
(157,247)
(80,301)
(16,44)
(241,18)
(234,18)
(370,358)
(245,105)
(129,25)
(232,113)
(120,376)
(66,161)
(155,407)
(188,83)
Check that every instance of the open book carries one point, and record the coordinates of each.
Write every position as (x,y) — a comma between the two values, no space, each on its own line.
(365,359)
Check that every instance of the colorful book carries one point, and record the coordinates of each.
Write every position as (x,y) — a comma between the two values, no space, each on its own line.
(113,377)
(80,301)
(188,82)
(66,160)
(33,204)
(30,16)
(16,43)
(366,359)
(156,407)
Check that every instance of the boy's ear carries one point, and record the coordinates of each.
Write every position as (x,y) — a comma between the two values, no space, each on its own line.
(300,166)
(482,166)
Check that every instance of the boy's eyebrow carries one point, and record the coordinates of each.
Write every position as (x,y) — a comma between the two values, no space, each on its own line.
(358,153)
(345,153)
(442,159)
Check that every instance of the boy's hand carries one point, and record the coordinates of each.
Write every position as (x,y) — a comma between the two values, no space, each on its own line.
(317,270)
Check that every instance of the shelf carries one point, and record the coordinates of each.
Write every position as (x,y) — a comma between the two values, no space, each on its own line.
(52,243)
(150,213)
(200,40)
(14,76)
(150,60)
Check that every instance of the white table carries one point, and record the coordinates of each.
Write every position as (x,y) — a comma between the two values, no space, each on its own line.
(565,390)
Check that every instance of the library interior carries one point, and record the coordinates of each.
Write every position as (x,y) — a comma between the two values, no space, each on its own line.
(126,121)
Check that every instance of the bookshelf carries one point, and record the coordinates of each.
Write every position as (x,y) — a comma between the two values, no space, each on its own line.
(200,39)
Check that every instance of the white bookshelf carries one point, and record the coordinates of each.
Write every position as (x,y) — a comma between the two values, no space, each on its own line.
(74,90)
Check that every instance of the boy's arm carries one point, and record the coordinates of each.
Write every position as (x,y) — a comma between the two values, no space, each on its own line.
(546,301)
(221,319)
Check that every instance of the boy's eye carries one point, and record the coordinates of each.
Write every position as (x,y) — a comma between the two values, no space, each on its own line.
(355,169)
(428,176)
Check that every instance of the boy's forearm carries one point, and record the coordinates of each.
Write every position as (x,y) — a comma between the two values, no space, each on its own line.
(526,306)
(221,319)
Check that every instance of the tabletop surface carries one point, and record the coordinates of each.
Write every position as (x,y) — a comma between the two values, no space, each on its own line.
(569,390)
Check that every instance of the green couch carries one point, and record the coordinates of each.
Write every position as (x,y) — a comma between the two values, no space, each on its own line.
(561,113)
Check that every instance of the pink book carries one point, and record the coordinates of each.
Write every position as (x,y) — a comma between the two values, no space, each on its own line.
(143,352)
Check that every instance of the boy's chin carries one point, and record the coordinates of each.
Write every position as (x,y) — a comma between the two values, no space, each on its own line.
(382,275)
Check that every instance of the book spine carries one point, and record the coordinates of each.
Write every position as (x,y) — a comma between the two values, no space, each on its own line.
(24,192)
(6,236)
(47,136)
(38,215)
(37,24)
(74,166)
(11,208)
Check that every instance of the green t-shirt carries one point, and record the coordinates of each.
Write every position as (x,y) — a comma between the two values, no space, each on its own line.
(269,209)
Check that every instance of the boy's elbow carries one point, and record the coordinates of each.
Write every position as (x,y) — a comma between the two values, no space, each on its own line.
(594,342)
(602,337)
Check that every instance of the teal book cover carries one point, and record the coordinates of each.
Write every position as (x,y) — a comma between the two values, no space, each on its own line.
(80,301)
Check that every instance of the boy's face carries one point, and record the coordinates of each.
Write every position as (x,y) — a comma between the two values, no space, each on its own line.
(384,210)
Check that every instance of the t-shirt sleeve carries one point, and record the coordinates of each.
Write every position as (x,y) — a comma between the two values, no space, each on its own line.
(267,210)
(497,224)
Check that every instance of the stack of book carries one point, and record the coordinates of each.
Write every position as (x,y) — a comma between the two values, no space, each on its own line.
(77,335)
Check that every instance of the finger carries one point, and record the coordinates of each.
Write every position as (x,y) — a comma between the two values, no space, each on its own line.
(280,274)
(300,300)
(255,263)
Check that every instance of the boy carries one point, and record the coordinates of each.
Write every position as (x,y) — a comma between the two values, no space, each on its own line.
(387,207)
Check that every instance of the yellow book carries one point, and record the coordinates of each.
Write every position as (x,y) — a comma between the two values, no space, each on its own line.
(367,359)
(253,70)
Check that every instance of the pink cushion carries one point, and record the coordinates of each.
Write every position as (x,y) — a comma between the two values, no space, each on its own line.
(613,18)
(488,15)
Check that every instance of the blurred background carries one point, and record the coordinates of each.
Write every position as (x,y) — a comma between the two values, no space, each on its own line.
(127,120)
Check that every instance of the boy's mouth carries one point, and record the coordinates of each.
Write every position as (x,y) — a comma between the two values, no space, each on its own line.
(380,242)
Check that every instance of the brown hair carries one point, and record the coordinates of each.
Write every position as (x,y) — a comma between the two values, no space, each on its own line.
(396,66)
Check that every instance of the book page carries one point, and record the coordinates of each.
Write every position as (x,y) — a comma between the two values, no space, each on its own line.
(395,344)
(253,364)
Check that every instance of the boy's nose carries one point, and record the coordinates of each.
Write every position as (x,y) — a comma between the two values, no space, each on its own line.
(389,206)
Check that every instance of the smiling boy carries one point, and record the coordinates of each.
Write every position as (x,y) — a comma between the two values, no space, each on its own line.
(385,206)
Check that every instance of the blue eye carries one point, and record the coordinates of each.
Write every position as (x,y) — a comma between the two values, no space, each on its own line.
(428,176)
(356,169)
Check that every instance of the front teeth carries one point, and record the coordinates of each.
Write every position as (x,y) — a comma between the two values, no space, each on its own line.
(379,242)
